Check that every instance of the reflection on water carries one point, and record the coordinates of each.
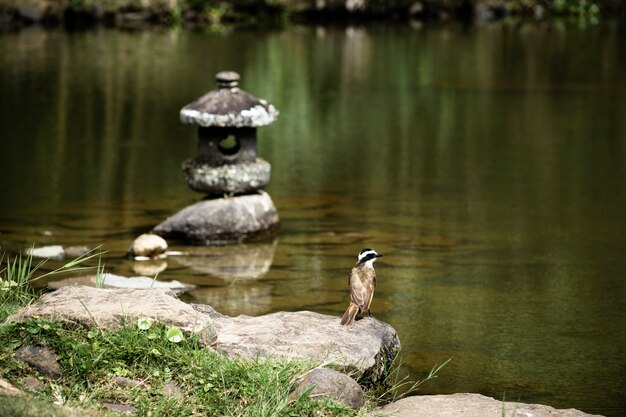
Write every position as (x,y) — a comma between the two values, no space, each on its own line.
(231,263)
(487,163)
(234,298)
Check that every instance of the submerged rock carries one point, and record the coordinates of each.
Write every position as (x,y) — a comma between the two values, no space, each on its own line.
(222,221)
(468,405)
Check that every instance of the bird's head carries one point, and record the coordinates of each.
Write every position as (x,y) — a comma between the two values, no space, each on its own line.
(368,256)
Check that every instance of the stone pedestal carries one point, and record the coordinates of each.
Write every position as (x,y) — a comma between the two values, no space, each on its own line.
(222,221)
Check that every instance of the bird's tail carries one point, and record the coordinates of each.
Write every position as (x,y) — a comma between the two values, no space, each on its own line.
(350,315)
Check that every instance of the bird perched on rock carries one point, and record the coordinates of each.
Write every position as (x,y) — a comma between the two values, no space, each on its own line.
(362,285)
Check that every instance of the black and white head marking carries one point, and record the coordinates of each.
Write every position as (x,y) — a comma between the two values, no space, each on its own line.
(368,256)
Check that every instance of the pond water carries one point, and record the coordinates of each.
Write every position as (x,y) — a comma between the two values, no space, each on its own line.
(487,163)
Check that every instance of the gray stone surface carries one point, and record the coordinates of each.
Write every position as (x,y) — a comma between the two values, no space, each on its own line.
(112,308)
(368,347)
(227,179)
(468,405)
(222,221)
(41,358)
(335,385)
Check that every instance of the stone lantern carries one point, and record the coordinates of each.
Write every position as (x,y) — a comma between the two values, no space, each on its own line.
(227,120)
(226,169)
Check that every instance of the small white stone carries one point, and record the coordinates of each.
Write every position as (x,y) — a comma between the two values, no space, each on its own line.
(148,246)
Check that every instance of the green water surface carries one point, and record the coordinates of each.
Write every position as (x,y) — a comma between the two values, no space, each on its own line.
(488,165)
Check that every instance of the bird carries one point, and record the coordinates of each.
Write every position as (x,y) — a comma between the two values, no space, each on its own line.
(362,282)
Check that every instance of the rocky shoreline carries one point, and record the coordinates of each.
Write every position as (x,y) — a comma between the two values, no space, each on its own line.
(274,14)
(299,335)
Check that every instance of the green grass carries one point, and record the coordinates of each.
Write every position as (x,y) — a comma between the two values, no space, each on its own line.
(18,274)
(211,383)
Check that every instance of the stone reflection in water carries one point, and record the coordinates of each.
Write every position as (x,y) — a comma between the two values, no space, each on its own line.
(150,268)
(239,266)
(250,298)
(231,263)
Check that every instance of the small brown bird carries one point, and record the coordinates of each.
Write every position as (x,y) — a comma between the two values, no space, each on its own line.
(362,283)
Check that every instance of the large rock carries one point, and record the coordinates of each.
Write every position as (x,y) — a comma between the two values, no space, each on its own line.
(468,405)
(221,221)
(113,308)
(369,347)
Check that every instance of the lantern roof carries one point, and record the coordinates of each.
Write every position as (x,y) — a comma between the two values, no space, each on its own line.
(228,106)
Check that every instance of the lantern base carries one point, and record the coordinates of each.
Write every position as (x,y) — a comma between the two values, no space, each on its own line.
(232,179)
(223,221)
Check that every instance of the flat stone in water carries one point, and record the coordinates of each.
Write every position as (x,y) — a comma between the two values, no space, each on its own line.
(222,221)
(57,252)
(117,281)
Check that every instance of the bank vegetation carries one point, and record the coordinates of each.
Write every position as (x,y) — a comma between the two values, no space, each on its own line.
(259,13)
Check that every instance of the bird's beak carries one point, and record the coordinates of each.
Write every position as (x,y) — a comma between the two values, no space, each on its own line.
(378,255)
